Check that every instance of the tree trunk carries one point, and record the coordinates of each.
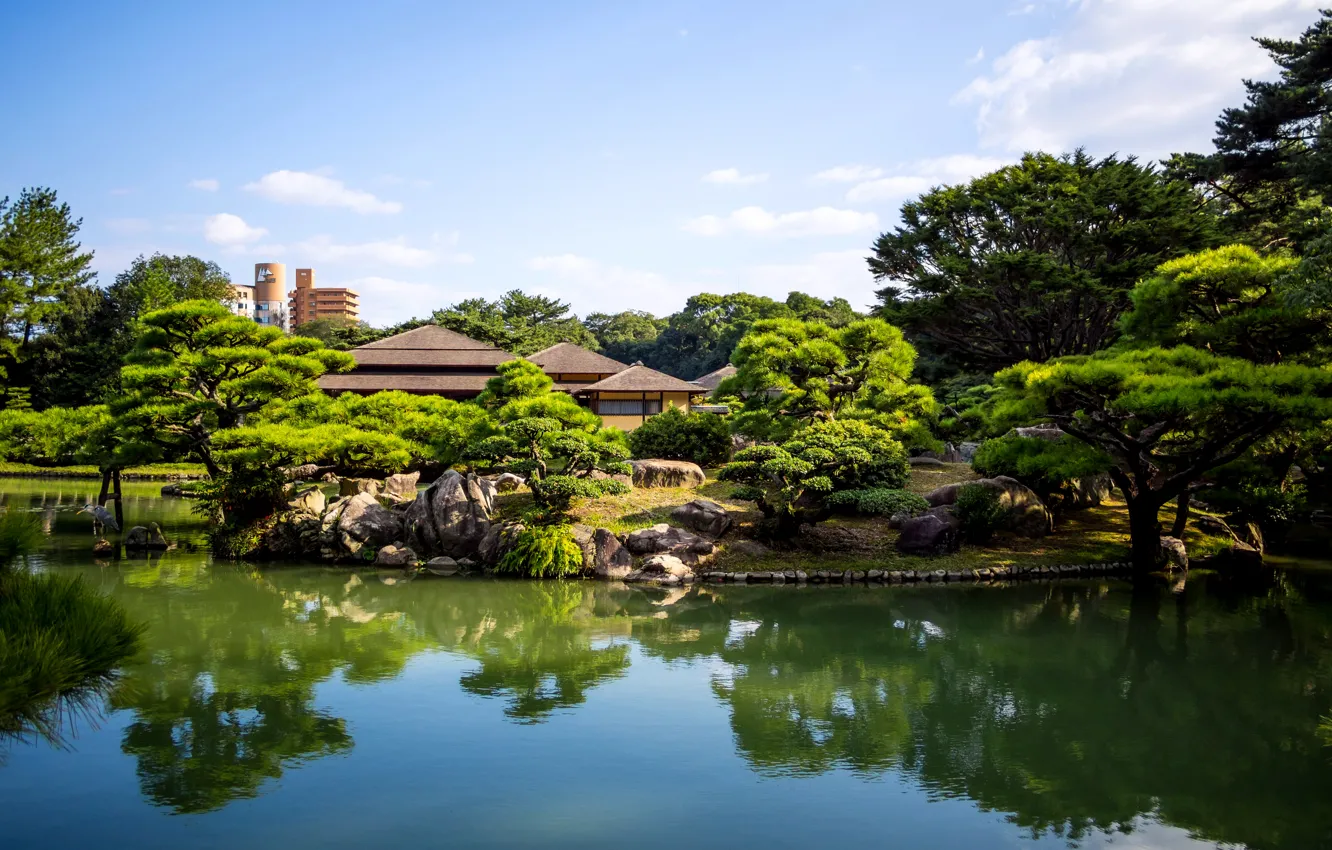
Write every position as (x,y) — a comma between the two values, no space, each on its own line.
(120,511)
(1145,534)
(1181,516)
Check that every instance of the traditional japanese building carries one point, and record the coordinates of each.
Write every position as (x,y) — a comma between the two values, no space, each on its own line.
(626,399)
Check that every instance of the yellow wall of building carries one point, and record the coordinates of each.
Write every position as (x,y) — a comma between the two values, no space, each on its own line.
(629,423)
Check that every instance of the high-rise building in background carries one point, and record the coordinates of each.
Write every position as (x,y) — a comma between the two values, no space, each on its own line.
(270,294)
(309,302)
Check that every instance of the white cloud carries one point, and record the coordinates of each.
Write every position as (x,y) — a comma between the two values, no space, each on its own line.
(317,190)
(829,274)
(447,243)
(733,177)
(231,231)
(388,252)
(598,287)
(823,221)
(848,174)
(1140,76)
(386,300)
(204,184)
(920,177)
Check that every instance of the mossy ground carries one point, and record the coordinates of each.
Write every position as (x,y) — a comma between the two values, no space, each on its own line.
(1096,535)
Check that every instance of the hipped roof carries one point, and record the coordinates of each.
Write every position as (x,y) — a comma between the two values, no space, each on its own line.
(713,379)
(639,378)
(429,345)
(567,358)
(433,382)
(429,338)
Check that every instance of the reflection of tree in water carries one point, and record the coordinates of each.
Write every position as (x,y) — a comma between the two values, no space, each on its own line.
(224,696)
(1071,708)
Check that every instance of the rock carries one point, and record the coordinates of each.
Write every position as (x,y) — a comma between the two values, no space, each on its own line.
(452,517)
(1240,556)
(1175,555)
(1038,432)
(364,523)
(402,486)
(442,566)
(598,475)
(142,539)
(666,473)
(1027,514)
(508,482)
(929,535)
(610,559)
(1250,533)
(1088,492)
(667,539)
(662,569)
(308,500)
(704,516)
(747,548)
(583,536)
(896,520)
(1214,526)
(172,490)
(924,461)
(352,486)
(102,546)
(968,451)
(497,543)
(394,556)
(304,472)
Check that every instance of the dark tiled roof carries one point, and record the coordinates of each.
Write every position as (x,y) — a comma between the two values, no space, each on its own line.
(425,382)
(411,357)
(638,379)
(713,379)
(567,358)
(430,338)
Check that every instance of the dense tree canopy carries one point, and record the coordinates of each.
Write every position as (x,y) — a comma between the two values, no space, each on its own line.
(1165,417)
(628,336)
(517,322)
(1033,261)
(1231,301)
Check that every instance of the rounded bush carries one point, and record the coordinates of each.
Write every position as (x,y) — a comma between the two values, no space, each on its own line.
(703,438)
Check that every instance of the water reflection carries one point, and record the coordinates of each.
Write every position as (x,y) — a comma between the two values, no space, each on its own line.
(1072,709)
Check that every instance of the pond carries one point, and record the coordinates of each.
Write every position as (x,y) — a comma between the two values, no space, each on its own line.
(307,706)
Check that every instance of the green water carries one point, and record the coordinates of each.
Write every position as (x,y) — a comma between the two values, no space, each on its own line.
(313,707)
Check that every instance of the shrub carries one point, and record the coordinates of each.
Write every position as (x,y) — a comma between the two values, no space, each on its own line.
(979,510)
(1273,509)
(1046,466)
(557,492)
(704,438)
(543,551)
(879,501)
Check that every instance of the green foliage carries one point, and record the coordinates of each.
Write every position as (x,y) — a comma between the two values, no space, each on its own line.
(197,369)
(703,438)
(878,501)
(557,492)
(1048,467)
(340,333)
(1230,301)
(629,336)
(60,639)
(963,402)
(40,262)
(517,322)
(543,551)
(791,482)
(980,513)
(1165,417)
(57,436)
(790,372)
(517,379)
(1033,261)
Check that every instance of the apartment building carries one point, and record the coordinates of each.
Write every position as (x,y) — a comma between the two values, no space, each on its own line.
(308,302)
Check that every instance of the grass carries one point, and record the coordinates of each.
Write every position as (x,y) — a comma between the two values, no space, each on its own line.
(60,640)
(152,470)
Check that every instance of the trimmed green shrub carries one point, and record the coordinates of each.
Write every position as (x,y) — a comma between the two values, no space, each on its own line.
(1046,466)
(557,492)
(979,510)
(704,438)
(543,551)
(880,501)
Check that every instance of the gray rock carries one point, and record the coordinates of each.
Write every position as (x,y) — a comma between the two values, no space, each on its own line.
(172,490)
(309,499)
(363,522)
(304,472)
(924,461)
(508,482)
(610,560)
(666,473)
(1214,526)
(703,516)
(1088,492)
(496,544)
(929,534)
(402,486)
(452,517)
(395,556)
(747,548)
(1038,432)
(352,486)
(896,520)
(968,451)
(1240,556)
(1175,555)
(667,539)
(1250,533)
(141,539)
(1027,515)
(442,566)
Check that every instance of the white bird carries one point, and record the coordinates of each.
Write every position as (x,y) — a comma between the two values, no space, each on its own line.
(102,518)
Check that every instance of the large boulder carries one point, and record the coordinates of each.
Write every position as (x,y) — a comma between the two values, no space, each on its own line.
(704,516)
(497,542)
(141,539)
(395,556)
(611,559)
(304,472)
(1214,526)
(1175,556)
(402,486)
(662,569)
(353,486)
(442,566)
(663,539)
(1239,556)
(308,500)
(923,460)
(667,473)
(929,534)
(451,517)
(1088,492)
(1027,515)
(508,482)
(364,524)
(1250,533)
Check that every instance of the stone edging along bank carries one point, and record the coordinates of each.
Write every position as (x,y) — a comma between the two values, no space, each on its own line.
(986,574)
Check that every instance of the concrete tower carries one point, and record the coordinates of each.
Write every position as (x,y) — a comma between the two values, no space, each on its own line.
(270,294)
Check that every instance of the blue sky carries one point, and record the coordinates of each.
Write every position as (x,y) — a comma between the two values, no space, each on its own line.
(617,155)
